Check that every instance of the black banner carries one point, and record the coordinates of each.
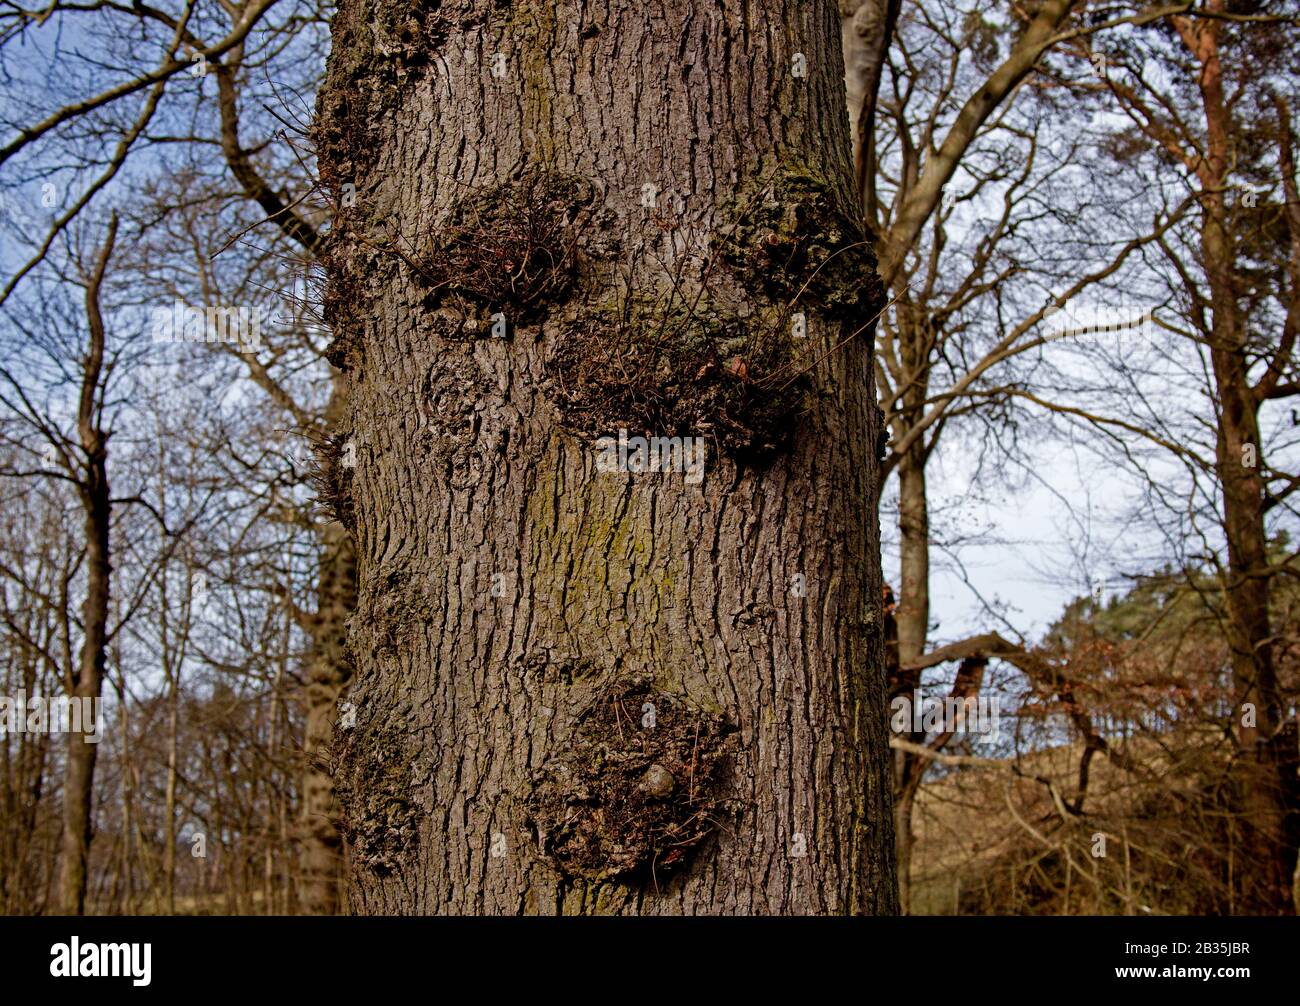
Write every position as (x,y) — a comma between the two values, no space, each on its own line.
(380,957)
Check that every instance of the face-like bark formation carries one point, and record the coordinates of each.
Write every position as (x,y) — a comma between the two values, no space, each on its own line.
(582,691)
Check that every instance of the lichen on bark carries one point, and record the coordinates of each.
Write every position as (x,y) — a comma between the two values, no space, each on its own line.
(792,239)
(380,52)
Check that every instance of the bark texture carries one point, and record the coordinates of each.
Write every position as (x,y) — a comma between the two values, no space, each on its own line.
(577,691)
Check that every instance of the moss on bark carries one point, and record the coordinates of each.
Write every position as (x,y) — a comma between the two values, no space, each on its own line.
(793,240)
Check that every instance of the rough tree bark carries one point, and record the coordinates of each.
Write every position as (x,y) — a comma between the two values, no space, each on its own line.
(579,691)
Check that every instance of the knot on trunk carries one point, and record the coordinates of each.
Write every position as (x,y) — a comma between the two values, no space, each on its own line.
(793,239)
(507,250)
(637,787)
(682,365)
(374,779)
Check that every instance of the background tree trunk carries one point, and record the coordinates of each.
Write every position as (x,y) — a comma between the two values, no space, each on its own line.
(914,337)
(87,684)
(513,602)
(1248,580)
(329,670)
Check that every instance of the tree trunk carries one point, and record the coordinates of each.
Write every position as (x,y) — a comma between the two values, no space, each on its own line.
(1249,630)
(866,32)
(915,339)
(909,772)
(913,619)
(79,773)
(914,555)
(169,797)
(92,490)
(580,691)
(1248,581)
(320,859)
